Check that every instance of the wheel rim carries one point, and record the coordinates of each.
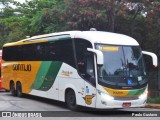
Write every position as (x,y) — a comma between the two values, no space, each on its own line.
(12,88)
(71,100)
(19,91)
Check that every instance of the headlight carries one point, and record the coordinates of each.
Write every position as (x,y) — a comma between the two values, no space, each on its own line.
(144,95)
(105,95)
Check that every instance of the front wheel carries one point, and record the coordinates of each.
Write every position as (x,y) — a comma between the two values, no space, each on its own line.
(71,100)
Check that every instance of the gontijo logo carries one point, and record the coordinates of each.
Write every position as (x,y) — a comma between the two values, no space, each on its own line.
(22,67)
(66,73)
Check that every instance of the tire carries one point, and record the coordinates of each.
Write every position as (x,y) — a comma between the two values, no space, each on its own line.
(12,89)
(19,89)
(71,100)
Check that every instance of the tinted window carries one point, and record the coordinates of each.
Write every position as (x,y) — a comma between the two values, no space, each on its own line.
(84,59)
(123,67)
(61,50)
(29,52)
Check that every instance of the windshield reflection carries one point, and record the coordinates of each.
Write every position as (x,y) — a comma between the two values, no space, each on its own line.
(123,65)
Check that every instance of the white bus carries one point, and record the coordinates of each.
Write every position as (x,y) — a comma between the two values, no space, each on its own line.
(87,68)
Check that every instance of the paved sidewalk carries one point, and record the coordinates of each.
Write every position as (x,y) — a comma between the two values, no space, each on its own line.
(150,105)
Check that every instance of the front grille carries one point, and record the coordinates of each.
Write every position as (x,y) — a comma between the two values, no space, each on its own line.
(125,98)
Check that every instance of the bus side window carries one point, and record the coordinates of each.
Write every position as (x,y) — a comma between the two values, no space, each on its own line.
(85,60)
(90,65)
(90,68)
(50,52)
(61,51)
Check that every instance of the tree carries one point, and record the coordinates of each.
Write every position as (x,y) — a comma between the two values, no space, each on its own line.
(93,13)
(28,19)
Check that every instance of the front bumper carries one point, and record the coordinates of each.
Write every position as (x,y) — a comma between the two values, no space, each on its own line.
(104,103)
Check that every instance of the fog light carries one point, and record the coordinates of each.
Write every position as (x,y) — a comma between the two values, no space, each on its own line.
(104,102)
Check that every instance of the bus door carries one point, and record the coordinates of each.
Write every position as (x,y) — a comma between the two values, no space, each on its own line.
(90,83)
(85,63)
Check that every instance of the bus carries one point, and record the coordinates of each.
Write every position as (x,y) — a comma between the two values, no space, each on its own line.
(81,68)
(0,69)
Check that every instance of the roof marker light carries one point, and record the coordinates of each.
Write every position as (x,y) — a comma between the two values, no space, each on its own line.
(93,29)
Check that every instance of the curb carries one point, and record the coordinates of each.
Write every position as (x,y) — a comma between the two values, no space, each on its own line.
(155,106)
(2,90)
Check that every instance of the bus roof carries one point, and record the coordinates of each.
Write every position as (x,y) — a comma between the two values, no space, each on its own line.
(107,38)
(92,36)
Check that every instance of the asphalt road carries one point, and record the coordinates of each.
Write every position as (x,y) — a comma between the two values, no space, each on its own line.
(59,109)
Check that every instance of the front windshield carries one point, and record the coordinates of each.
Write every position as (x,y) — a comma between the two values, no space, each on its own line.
(123,66)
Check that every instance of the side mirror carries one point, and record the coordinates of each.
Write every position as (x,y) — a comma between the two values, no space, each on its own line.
(154,57)
(99,54)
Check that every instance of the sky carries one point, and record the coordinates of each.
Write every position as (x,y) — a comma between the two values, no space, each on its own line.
(21,1)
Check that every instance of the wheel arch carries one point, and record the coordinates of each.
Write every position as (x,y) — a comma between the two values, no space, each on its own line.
(68,88)
(18,82)
(11,81)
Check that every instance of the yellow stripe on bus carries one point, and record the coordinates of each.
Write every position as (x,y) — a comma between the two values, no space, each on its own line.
(117,93)
(27,77)
(125,93)
(24,42)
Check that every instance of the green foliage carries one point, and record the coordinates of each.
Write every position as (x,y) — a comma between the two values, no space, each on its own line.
(30,18)
(47,21)
(93,13)
(154,100)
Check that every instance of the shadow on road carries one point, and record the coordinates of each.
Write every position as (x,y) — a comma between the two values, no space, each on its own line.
(45,100)
(82,112)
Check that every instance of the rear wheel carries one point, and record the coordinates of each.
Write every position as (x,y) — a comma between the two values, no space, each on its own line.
(12,89)
(71,100)
(19,89)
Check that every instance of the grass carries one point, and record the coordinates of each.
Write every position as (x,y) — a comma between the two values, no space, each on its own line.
(154,100)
